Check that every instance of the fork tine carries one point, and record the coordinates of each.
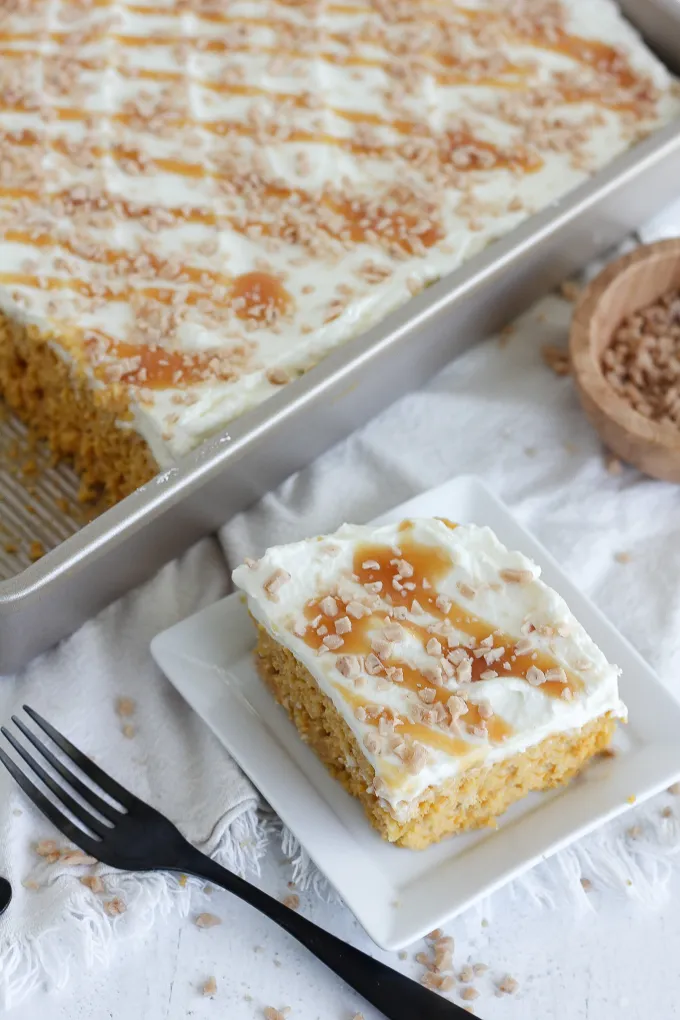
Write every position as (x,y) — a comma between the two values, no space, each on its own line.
(88,795)
(61,822)
(67,800)
(84,763)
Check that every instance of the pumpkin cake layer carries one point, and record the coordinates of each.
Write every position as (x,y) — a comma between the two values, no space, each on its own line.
(199,201)
(431,670)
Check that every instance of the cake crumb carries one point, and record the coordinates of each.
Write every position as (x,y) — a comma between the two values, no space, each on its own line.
(674,788)
(469,994)
(209,986)
(480,968)
(35,551)
(667,813)
(276,1014)
(207,921)
(586,884)
(292,902)
(466,974)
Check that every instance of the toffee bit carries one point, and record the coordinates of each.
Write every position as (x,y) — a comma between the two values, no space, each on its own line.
(274,583)
(535,676)
(328,606)
(516,576)
(114,907)
(209,986)
(47,848)
(570,290)
(76,858)
(612,464)
(557,359)
(125,707)
(469,994)
(207,921)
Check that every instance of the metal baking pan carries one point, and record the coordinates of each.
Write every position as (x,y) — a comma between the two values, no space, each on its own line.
(88,564)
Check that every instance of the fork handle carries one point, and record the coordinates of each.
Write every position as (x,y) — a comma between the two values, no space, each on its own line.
(395,995)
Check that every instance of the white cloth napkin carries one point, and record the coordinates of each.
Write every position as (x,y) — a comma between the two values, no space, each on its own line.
(57,925)
(498,412)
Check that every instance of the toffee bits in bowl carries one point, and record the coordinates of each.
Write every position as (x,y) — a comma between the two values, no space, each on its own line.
(625,353)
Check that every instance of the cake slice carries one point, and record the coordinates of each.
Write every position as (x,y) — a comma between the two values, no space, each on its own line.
(430,669)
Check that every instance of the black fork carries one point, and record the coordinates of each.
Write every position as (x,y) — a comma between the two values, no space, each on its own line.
(136,837)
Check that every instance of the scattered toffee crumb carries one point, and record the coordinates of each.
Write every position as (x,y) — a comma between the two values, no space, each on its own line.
(570,290)
(114,907)
(209,986)
(207,921)
(292,902)
(276,1014)
(586,884)
(93,882)
(623,557)
(557,359)
(75,858)
(508,985)
(674,788)
(469,994)
(612,463)
(128,731)
(125,707)
(667,813)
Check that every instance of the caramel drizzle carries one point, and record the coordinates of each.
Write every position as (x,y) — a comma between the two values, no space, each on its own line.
(242,286)
(450,141)
(592,53)
(124,261)
(431,564)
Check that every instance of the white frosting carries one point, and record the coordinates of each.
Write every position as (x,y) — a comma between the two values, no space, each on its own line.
(233,68)
(317,566)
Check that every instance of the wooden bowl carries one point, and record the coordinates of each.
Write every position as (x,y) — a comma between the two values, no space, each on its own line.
(630,283)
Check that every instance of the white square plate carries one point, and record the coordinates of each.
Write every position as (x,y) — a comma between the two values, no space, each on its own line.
(399,895)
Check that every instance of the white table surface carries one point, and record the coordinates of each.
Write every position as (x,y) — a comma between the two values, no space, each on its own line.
(616,960)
